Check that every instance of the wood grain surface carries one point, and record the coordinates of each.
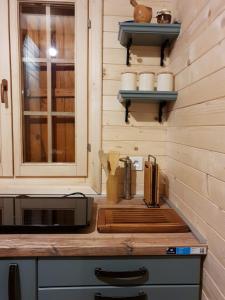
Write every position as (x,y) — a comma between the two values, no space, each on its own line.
(196,148)
(140,220)
(92,243)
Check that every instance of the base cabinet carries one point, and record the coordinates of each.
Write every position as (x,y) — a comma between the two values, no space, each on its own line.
(161,292)
(131,278)
(18,279)
(111,278)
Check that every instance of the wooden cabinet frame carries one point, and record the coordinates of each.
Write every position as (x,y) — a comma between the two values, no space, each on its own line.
(22,182)
(79,168)
(6,162)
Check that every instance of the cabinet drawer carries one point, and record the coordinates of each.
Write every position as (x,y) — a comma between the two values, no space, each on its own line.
(176,292)
(118,271)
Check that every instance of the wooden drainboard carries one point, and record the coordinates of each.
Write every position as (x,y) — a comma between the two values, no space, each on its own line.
(128,220)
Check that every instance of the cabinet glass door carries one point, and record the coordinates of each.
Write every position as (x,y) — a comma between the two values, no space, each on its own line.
(52,82)
(6,163)
(47,51)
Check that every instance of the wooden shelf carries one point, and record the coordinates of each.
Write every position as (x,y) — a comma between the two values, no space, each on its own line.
(126,97)
(144,34)
(153,96)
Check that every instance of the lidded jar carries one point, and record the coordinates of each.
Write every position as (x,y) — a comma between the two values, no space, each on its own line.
(129,81)
(146,81)
(164,16)
(165,82)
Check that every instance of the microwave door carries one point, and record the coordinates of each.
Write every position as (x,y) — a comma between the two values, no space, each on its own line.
(6,211)
(41,211)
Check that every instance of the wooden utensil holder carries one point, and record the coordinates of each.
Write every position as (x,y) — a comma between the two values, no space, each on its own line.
(151,182)
(112,189)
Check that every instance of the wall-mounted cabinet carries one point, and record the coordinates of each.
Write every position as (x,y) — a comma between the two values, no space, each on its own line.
(47,111)
(6,163)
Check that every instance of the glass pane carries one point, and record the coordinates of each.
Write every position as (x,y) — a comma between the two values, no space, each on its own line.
(34,86)
(48,82)
(35,139)
(63,139)
(48,217)
(62,31)
(33,30)
(63,88)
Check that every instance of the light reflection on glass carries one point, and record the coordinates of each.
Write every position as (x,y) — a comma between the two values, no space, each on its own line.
(52,52)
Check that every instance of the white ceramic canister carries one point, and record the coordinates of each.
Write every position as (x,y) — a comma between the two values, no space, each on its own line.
(165,82)
(129,81)
(146,81)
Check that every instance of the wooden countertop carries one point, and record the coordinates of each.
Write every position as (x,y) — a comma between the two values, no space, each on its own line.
(92,243)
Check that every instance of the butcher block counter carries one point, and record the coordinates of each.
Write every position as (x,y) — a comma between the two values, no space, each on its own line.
(94,266)
(90,242)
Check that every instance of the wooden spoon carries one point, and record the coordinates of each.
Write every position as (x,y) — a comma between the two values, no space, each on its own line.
(104,161)
(113,161)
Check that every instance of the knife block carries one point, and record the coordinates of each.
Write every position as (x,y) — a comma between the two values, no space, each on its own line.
(151,184)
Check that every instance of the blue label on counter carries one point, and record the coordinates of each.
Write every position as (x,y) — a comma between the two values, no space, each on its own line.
(183,250)
(179,250)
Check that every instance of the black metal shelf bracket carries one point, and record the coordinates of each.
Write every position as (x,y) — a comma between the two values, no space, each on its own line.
(161,106)
(161,98)
(129,44)
(163,47)
(127,105)
(162,55)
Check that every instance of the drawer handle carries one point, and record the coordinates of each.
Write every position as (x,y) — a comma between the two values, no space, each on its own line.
(141,296)
(140,273)
(14,291)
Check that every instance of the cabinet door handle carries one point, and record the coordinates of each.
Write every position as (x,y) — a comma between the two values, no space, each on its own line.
(126,275)
(4,92)
(14,290)
(141,296)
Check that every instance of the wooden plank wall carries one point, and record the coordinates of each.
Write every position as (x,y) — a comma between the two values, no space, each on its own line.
(196,131)
(143,135)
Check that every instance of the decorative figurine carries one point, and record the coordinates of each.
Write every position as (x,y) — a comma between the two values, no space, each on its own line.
(142,13)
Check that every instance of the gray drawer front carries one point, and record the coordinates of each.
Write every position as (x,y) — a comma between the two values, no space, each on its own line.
(152,293)
(27,274)
(81,272)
